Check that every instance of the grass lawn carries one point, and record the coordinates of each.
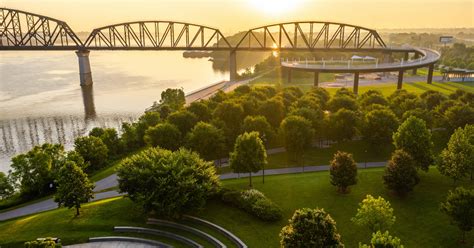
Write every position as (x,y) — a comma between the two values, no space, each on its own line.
(419,222)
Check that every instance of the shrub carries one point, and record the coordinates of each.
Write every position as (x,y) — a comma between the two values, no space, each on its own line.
(310,228)
(46,243)
(168,183)
(383,240)
(253,202)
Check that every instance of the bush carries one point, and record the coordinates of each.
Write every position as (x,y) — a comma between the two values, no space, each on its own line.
(46,243)
(168,183)
(253,202)
(312,228)
(383,240)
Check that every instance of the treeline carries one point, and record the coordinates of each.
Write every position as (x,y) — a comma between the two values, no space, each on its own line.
(458,56)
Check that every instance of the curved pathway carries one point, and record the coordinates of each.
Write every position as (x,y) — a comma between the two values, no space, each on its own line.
(111,181)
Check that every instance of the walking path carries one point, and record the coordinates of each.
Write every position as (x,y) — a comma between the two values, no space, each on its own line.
(111,181)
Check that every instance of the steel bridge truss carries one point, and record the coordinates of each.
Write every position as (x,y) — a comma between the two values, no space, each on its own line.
(157,35)
(310,35)
(30,31)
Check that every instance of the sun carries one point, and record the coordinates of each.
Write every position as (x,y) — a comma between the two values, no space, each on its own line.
(274,7)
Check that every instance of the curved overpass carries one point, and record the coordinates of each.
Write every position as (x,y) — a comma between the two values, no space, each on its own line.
(425,58)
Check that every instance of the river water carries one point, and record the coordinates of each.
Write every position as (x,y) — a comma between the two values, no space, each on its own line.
(41,100)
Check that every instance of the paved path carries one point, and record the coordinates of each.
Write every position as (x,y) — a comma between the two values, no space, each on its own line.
(111,181)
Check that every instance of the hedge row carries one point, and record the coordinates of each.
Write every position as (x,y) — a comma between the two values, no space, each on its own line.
(254,202)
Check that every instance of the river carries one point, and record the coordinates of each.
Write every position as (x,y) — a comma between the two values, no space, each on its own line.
(41,100)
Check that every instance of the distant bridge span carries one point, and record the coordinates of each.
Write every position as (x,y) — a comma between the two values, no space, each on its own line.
(20,30)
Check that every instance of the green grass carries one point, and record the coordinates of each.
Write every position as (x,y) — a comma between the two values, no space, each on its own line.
(419,222)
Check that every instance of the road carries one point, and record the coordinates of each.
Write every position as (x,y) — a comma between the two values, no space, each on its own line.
(111,181)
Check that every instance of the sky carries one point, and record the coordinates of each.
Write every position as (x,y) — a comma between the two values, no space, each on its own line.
(231,16)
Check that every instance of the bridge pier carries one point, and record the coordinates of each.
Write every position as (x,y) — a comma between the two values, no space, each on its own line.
(85,73)
(400,80)
(233,65)
(356,83)
(430,73)
(316,78)
(415,70)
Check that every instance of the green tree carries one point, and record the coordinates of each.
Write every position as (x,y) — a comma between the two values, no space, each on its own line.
(414,138)
(297,135)
(207,140)
(420,113)
(315,116)
(164,135)
(432,98)
(379,126)
(168,183)
(310,228)
(35,170)
(183,120)
(74,187)
(201,110)
(129,138)
(457,159)
(6,188)
(372,97)
(249,154)
(273,110)
(174,98)
(459,206)
(342,102)
(343,124)
(375,214)
(400,174)
(383,240)
(258,124)
(93,150)
(343,171)
(149,119)
(232,114)
(110,138)
(459,115)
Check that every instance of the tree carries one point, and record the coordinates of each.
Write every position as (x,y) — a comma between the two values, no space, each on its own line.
(432,98)
(457,159)
(174,98)
(400,174)
(207,140)
(314,115)
(273,110)
(74,187)
(258,124)
(168,183)
(379,126)
(383,240)
(149,119)
(201,110)
(458,206)
(110,138)
(183,120)
(6,188)
(372,97)
(342,102)
(375,214)
(129,138)
(36,169)
(343,124)
(231,114)
(420,113)
(249,154)
(93,150)
(414,138)
(297,135)
(164,135)
(343,171)
(311,228)
(459,116)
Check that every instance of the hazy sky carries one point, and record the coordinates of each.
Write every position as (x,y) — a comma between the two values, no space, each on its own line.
(237,15)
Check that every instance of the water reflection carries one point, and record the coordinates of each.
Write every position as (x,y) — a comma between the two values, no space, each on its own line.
(88,100)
